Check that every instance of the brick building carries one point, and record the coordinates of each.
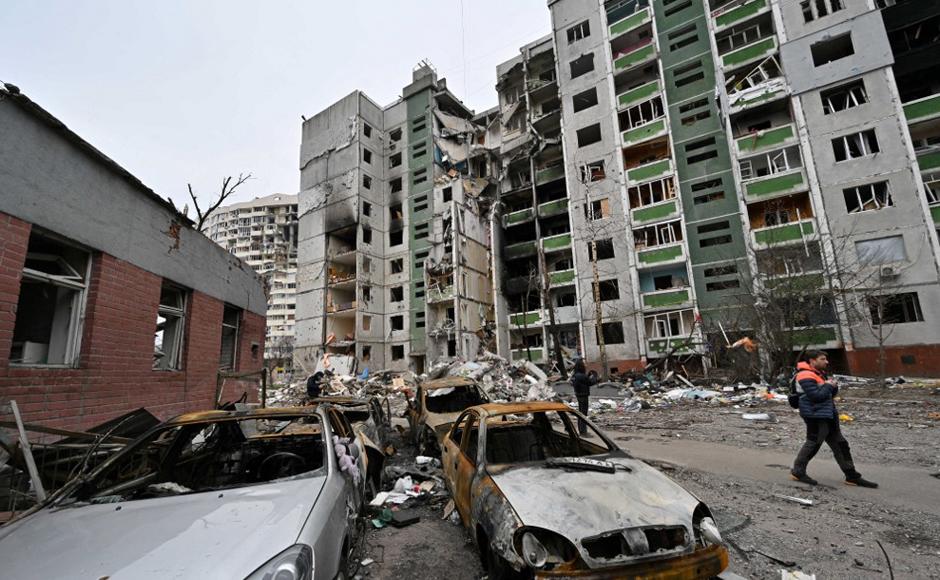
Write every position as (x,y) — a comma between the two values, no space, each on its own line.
(109,299)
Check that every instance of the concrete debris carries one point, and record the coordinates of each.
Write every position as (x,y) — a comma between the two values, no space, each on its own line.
(796,575)
(499,378)
(799,500)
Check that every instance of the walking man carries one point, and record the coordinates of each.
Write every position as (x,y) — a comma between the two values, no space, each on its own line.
(582,390)
(818,411)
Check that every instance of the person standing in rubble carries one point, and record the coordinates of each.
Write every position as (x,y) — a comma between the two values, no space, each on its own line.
(582,391)
(818,410)
(314,387)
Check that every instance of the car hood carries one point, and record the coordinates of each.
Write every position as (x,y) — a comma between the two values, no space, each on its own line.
(580,504)
(221,534)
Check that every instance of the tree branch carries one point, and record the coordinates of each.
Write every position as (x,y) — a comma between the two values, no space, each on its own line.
(228,188)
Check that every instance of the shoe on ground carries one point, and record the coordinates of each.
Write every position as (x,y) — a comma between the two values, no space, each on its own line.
(803,478)
(861,482)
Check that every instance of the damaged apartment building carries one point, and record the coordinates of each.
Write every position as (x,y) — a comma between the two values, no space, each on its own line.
(662,167)
(394,239)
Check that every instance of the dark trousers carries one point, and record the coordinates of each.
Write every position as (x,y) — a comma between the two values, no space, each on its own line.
(583,406)
(828,431)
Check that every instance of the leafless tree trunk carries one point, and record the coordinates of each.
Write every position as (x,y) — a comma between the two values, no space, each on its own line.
(228,188)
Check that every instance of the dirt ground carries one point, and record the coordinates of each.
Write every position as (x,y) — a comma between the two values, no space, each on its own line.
(893,430)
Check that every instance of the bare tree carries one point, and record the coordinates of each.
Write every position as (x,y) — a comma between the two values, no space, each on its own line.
(229,185)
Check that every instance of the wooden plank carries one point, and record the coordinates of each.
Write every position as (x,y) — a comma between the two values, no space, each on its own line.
(28,455)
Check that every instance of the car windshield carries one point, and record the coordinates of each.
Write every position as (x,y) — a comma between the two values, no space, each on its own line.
(453,399)
(525,437)
(209,455)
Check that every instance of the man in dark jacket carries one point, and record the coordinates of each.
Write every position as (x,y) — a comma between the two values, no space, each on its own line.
(582,390)
(818,411)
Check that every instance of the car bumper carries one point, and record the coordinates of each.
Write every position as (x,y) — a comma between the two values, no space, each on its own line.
(704,563)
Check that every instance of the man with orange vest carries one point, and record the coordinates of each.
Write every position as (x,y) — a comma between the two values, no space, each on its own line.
(818,411)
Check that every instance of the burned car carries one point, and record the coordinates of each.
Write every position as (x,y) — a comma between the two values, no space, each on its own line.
(541,500)
(258,494)
(436,405)
(371,420)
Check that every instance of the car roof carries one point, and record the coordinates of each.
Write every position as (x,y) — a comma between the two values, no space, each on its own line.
(342,400)
(216,415)
(497,409)
(447,382)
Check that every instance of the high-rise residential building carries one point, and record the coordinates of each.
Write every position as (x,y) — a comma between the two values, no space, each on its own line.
(674,175)
(263,233)
(395,261)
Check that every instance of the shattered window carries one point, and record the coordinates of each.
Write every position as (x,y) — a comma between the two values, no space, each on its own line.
(398,351)
(868,197)
(453,399)
(579,31)
(593,171)
(855,145)
(895,308)
(50,308)
(844,97)
(582,65)
(612,333)
(230,319)
(530,437)
(601,250)
(832,49)
(168,338)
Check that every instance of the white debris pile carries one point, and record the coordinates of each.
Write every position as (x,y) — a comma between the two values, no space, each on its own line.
(501,379)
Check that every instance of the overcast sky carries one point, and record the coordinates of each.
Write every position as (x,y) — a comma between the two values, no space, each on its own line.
(181,91)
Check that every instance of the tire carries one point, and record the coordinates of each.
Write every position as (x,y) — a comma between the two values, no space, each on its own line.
(496,567)
(343,569)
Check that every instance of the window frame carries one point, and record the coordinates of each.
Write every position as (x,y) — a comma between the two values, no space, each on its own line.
(176,357)
(235,343)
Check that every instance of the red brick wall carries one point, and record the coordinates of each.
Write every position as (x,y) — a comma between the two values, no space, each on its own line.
(864,361)
(115,372)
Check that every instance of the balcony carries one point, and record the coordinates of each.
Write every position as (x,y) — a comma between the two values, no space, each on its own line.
(556,243)
(638,94)
(534,354)
(814,337)
(766,92)
(518,217)
(341,307)
(729,16)
(750,53)
(774,185)
(553,208)
(669,298)
(644,132)
(935,213)
(660,255)
(631,22)
(649,171)
(928,159)
(635,57)
(922,109)
(772,138)
(549,174)
(561,278)
(440,294)
(519,250)
(794,232)
(657,347)
(655,212)
(526,319)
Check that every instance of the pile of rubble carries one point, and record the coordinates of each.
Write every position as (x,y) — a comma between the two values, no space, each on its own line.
(499,378)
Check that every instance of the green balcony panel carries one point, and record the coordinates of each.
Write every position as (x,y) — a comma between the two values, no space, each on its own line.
(517,217)
(775,185)
(787,233)
(534,354)
(644,132)
(630,22)
(928,161)
(740,13)
(656,212)
(768,96)
(561,278)
(550,174)
(767,138)
(660,255)
(811,336)
(519,250)
(525,319)
(559,242)
(640,93)
(557,207)
(634,58)
(442,294)
(935,212)
(923,109)
(798,283)
(649,171)
(750,52)
(662,345)
(659,300)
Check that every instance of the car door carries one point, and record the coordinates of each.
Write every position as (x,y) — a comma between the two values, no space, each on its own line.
(459,467)
(356,448)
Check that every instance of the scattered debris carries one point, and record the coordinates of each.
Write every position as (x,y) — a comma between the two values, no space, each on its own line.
(759,417)
(795,575)
(799,500)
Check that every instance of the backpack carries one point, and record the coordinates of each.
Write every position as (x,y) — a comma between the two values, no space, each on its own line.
(793,397)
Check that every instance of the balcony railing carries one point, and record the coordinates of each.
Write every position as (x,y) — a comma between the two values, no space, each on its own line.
(928,159)
(669,298)
(784,234)
(750,53)
(440,294)
(819,336)
(638,94)
(561,278)
(549,174)
(521,319)
(766,139)
(656,347)
(551,208)
(774,185)
(765,92)
(635,57)
(665,254)
(631,22)
(644,132)
(519,250)
(556,243)
(655,212)
(518,217)
(922,109)
(534,354)
(730,15)
(649,171)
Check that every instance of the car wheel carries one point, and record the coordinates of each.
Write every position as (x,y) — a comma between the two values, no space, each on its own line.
(496,567)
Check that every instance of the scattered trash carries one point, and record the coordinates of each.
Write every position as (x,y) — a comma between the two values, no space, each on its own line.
(384,517)
(403,484)
(782,562)
(425,460)
(798,500)
(403,518)
(796,575)
(367,562)
(846,418)
(448,509)
(759,417)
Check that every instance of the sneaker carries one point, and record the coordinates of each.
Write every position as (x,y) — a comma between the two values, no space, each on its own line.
(861,482)
(803,478)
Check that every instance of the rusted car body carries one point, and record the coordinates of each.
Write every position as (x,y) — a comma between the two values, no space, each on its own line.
(541,500)
(371,420)
(436,405)
(255,494)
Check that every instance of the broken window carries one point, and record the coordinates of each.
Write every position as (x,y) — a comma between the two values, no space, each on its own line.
(366,235)
(844,97)
(920,34)
(832,49)
(230,319)
(722,285)
(607,290)
(704,149)
(895,308)
(398,351)
(584,100)
(398,322)
(612,333)
(642,113)
(397,266)
(579,31)
(395,185)
(366,293)
(593,171)
(366,182)
(598,209)
(366,322)
(366,129)
(687,74)
(683,37)
(589,135)
(50,309)
(582,65)
(651,192)
(604,250)
(677,8)
(395,238)
(394,160)
(657,235)
(776,217)
(717,241)
(708,197)
(366,208)
(871,196)
(566,299)
(395,135)
(367,156)
(813,9)
(881,250)
(396,294)
(448,194)
(168,337)
(366,353)
(855,145)
(419,319)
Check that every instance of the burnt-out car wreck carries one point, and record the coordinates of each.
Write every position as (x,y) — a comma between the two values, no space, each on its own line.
(540,500)
(436,405)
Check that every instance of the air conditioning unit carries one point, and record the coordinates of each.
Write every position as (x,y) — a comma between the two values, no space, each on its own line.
(889,272)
